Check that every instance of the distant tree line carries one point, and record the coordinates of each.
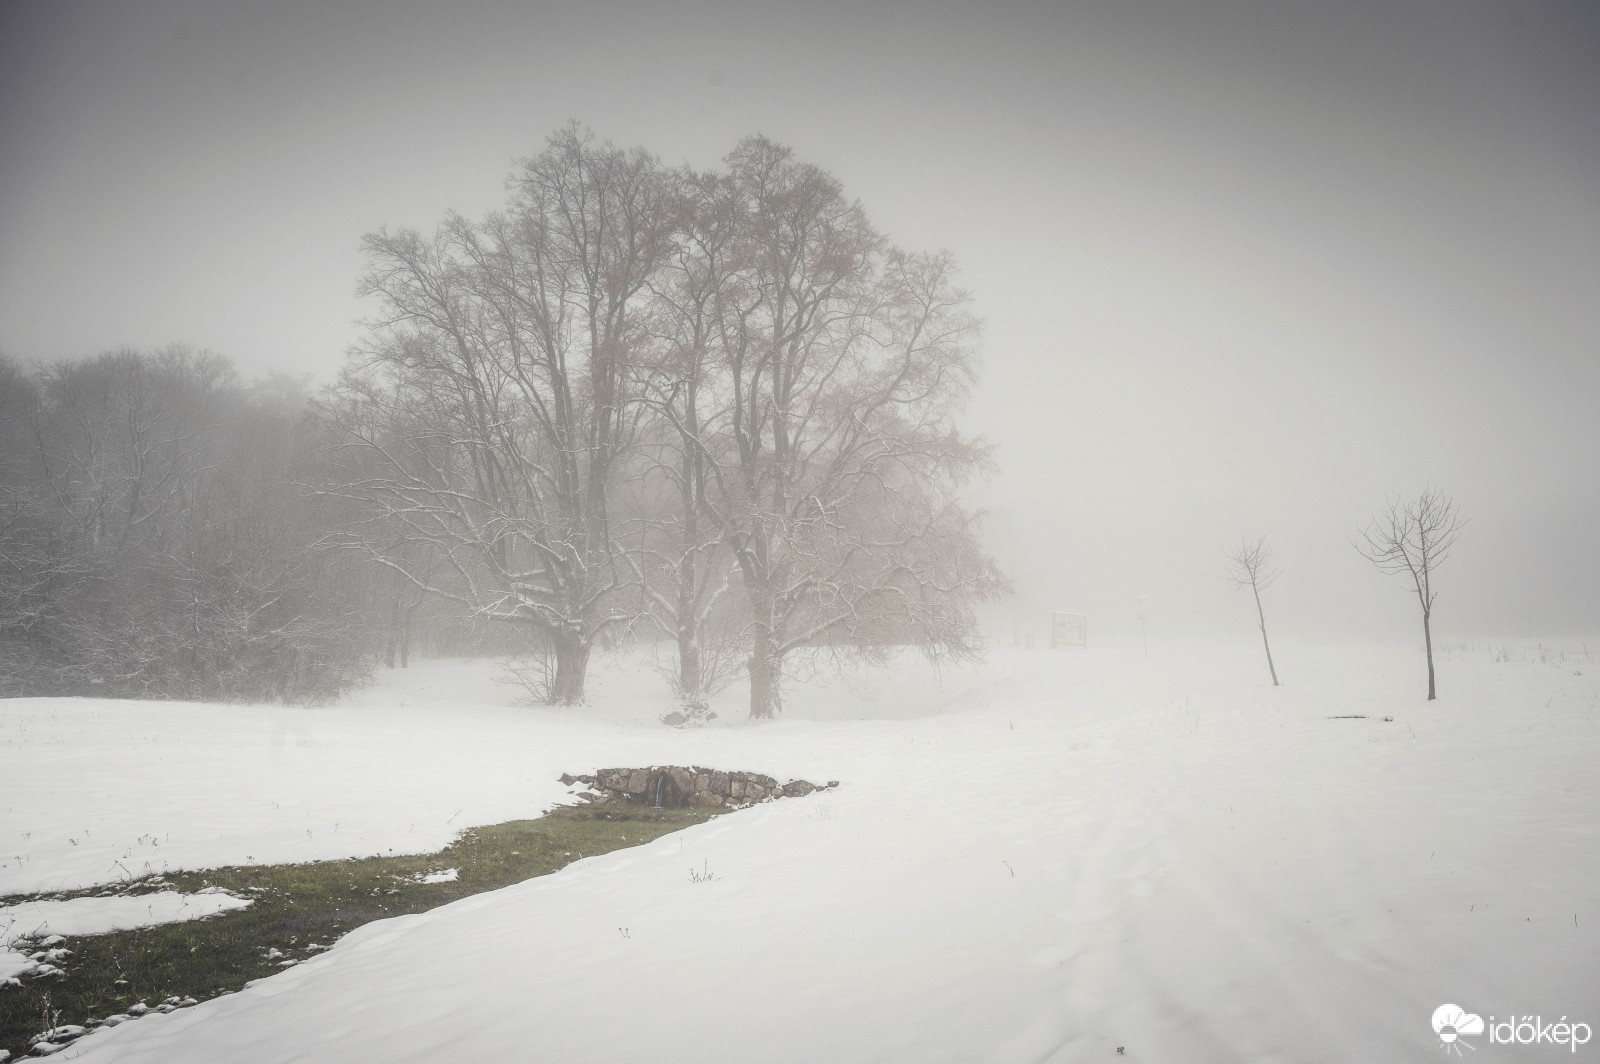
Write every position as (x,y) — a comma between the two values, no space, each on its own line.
(151,542)
(715,408)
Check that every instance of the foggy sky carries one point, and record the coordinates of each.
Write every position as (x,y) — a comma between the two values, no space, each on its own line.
(1246,268)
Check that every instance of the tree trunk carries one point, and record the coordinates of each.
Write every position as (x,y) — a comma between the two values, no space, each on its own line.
(689,681)
(392,639)
(764,701)
(572,667)
(1262,616)
(405,637)
(1427,640)
(690,684)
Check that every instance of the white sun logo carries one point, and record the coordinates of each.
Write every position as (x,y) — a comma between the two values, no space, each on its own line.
(1451,1022)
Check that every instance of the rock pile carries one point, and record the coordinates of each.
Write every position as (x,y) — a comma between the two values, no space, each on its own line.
(678,787)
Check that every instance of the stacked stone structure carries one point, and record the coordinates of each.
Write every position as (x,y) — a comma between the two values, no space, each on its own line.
(679,787)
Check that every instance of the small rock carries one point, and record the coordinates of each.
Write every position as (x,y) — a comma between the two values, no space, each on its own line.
(63,1034)
(165,1008)
(112,1021)
(138,1010)
(188,1003)
(45,1049)
(674,719)
(53,940)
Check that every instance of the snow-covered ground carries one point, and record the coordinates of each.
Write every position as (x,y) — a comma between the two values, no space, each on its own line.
(1044,858)
(34,920)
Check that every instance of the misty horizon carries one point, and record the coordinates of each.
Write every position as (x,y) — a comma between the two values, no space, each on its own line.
(1243,270)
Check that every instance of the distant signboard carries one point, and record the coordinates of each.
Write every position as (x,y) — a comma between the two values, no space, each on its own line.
(1069,630)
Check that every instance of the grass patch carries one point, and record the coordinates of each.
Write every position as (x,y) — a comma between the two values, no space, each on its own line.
(300,907)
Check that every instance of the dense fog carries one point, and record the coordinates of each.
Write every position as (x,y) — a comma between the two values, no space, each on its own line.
(1242,270)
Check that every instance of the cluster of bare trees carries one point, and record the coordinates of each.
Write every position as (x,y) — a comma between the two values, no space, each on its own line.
(1409,538)
(716,405)
(151,543)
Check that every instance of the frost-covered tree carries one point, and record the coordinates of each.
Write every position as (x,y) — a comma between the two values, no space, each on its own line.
(718,403)
(152,543)
(840,464)
(1412,539)
(497,395)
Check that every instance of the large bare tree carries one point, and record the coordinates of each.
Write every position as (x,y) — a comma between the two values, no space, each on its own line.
(505,366)
(846,362)
(1412,539)
(1251,567)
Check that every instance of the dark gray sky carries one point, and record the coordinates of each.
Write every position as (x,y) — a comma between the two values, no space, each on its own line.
(1246,268)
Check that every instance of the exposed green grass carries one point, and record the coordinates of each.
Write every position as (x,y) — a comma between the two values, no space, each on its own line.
(301,906)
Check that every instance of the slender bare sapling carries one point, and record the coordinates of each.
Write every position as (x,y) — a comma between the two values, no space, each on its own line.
(1251,567)
(1412,540)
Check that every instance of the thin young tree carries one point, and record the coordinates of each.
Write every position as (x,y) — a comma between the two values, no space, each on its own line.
(1412,540)
(677,547)
(1251,567)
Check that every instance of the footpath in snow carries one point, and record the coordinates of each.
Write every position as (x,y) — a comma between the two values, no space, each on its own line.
(1046,858)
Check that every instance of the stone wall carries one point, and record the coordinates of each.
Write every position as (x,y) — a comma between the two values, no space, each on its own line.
(677,787)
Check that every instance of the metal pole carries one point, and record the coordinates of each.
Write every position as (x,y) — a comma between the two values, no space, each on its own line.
(1144,634)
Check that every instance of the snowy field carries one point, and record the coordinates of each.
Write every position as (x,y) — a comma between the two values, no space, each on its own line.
(1044,858)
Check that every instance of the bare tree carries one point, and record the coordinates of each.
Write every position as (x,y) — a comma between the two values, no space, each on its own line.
(1413,539)
(847,361)
(1251,566)
(504,375)
(679,552)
